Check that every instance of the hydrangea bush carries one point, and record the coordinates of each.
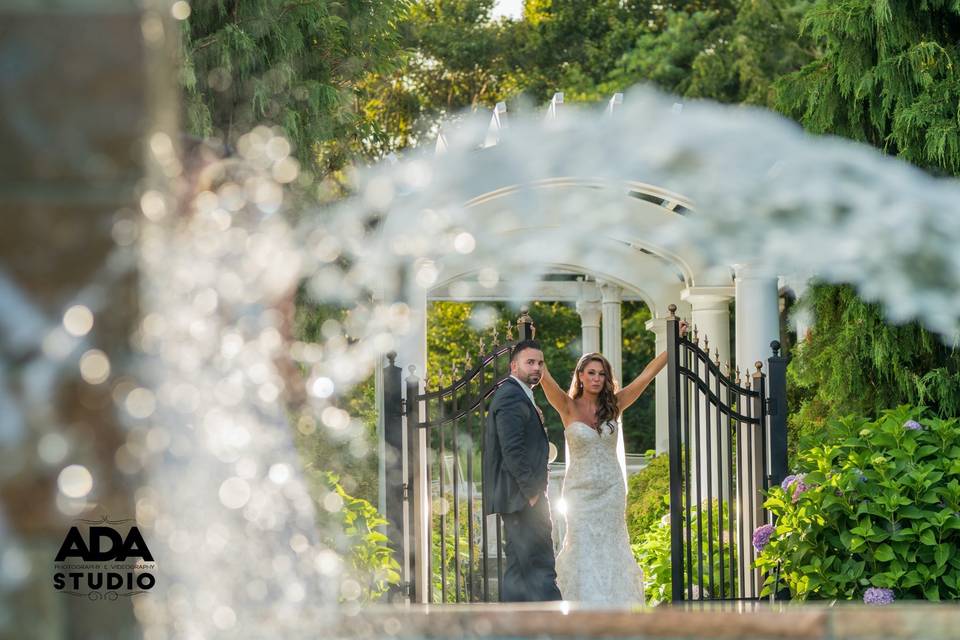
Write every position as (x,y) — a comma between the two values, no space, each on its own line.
(873,515)
(653,555)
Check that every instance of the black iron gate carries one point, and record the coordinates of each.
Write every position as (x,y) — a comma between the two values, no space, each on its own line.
(442,521)
(727,446)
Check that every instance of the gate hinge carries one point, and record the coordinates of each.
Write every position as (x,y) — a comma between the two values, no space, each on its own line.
(771,406)
(405,588)
(403,406)
(406,491)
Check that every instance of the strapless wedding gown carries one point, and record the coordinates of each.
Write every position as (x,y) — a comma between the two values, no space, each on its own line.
(595,563)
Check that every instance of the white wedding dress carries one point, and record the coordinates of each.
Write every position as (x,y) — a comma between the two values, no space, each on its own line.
(595,563)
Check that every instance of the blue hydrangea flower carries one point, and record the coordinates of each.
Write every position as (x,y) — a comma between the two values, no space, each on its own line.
(878,596)
(913,425)
(794,485)
(761,536)
(785,485)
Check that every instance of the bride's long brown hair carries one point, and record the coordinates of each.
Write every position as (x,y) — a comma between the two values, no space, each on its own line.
(607,407)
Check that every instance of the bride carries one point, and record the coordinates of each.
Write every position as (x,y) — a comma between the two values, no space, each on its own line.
(595,563)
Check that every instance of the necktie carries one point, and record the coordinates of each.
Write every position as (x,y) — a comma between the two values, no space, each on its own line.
(539,413)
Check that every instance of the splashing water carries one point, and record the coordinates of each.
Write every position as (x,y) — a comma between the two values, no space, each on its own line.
(234,525)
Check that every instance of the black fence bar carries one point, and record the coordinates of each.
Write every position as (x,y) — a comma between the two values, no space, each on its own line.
(675,456)
(414,498)
(731,504)
(752,484)
(442,502)
(392,411)
(483,510)
(777,370)
(687,433)
(471,578)
(721,496)
(455,482)
(698,446)
(711,470)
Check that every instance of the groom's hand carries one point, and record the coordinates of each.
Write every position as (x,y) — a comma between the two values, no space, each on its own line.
(683,328)
(534,499)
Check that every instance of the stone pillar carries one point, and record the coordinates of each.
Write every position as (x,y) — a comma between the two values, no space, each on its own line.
(659,328)
(589,311)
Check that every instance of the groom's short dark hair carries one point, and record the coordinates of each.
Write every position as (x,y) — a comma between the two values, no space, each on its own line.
(521,345)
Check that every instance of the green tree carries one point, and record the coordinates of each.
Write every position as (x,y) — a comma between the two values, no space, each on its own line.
(454,58)
(292,63)
(885,75)
(452,336)
(853,362)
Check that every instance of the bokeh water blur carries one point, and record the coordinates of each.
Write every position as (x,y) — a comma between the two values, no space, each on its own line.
(221,248)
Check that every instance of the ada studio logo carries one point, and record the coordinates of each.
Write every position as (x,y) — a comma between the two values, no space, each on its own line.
(107,563)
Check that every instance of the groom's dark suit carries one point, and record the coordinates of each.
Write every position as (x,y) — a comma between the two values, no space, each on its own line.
(514,471)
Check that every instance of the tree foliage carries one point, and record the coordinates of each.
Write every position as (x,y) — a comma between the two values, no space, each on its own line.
(454,332)
(853,362)
(293,63)
(885,74)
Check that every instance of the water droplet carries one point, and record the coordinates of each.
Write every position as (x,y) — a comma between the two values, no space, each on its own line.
(94,367)
(75,481)
(78,320)
(234,493)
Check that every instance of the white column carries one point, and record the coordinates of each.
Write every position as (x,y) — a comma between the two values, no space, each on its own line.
(612,296)
(757,317)
(589,311)
(758,324)
(662,438)
(710,314)
(611,339)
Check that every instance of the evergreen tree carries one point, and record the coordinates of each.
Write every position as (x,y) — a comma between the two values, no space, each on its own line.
(292,63)
(886,75)
(853,362)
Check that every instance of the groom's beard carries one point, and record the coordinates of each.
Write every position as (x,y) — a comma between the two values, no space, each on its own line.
(532,379)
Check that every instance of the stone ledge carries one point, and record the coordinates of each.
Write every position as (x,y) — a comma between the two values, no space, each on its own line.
(720,621)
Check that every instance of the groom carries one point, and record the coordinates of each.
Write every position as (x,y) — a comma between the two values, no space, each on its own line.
(515,479)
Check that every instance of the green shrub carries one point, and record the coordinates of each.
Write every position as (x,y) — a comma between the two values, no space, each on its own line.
(878,506)
(648,497)
(370,561)
(456,549)
(653,555)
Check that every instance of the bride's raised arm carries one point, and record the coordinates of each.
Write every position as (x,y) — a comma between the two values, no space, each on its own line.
(555,395)
(629,394)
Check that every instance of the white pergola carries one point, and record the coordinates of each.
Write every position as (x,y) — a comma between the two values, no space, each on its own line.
(626,265)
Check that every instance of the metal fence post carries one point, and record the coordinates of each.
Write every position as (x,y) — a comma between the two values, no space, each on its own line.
(393,462)
(525,328)
(416,500)
(777,410)
(675,455)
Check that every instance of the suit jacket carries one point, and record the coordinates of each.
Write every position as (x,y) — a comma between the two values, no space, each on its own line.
(515,450)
